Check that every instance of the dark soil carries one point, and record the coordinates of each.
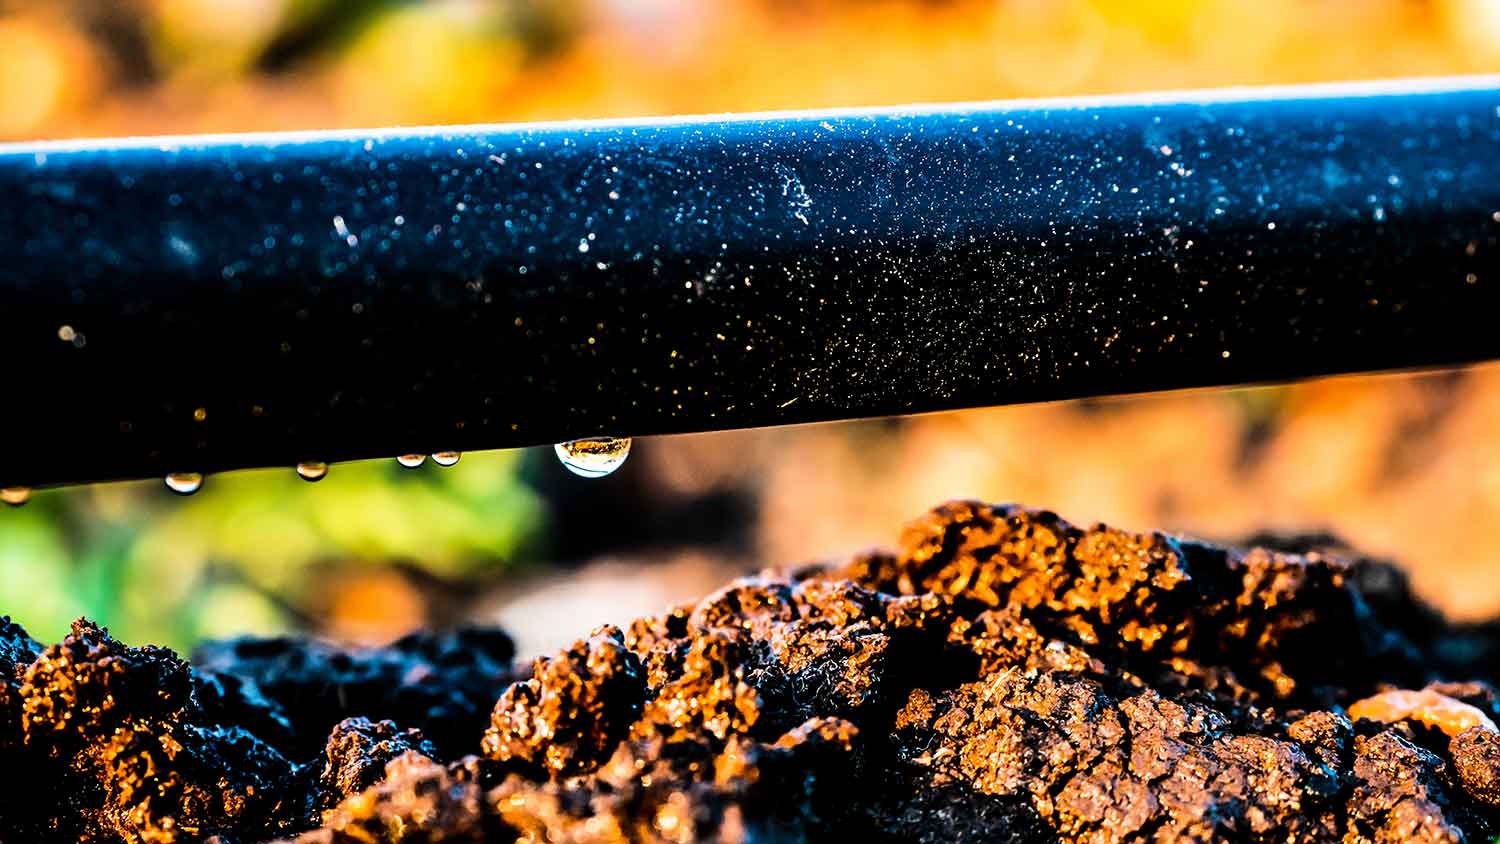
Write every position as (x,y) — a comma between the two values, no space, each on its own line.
(1005,676)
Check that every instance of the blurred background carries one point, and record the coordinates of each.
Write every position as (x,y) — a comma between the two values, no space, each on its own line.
(1405,466)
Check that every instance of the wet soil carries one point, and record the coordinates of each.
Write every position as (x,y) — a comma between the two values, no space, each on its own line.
(1002,676)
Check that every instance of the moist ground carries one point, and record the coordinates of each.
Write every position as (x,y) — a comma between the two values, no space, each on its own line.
(1003,676)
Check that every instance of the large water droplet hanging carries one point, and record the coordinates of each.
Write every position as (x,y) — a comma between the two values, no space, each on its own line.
(15,496)
(412,461)
(446,458)
(312,470)
(185,483)
(593,457)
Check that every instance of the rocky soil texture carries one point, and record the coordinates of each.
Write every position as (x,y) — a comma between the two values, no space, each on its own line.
(1004,675)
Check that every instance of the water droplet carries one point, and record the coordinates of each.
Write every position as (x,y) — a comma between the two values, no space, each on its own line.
(412,461)
(185,483)
(593,457)
(446,458)
(312,470)
(15,496)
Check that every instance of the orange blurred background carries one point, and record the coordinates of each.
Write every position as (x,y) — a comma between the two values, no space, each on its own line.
(1402,465)
(107,67)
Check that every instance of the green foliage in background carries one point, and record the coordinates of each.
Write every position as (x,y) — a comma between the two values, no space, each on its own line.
(236,557)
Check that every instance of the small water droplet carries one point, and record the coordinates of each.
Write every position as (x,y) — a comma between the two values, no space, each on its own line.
(185,483)
(593,457)
(446,458)
(312,470)
(15,496)
(412,461)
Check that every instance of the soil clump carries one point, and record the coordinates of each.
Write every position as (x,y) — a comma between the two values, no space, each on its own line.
(1001,676)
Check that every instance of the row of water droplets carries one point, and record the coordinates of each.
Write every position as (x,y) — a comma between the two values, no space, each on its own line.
(592,457)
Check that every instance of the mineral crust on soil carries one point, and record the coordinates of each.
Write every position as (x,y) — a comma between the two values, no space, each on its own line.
(1002,676)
